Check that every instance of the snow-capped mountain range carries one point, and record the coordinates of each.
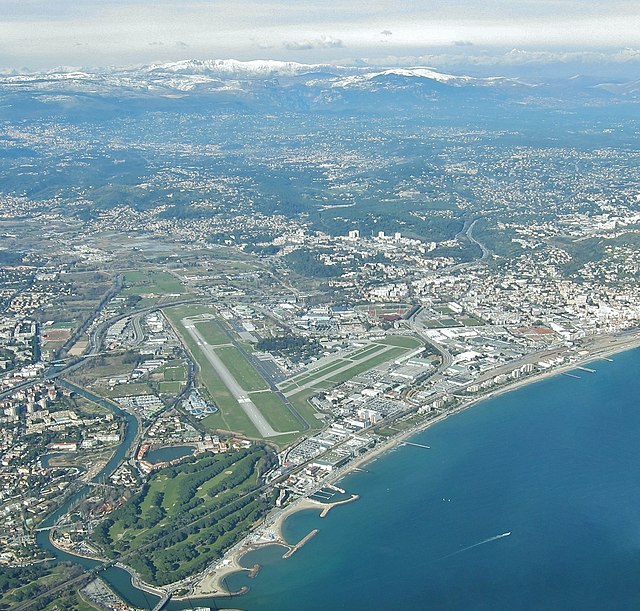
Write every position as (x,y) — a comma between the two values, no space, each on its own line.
(248,69)
(190,74)
(279,84)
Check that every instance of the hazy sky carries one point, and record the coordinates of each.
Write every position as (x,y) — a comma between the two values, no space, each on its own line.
(47,33)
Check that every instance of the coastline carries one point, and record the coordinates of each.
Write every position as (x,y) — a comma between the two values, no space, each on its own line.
(212,584)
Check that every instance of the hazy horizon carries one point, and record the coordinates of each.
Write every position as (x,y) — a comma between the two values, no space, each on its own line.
(496,35)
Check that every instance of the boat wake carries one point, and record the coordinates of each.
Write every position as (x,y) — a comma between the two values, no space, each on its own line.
(464,549)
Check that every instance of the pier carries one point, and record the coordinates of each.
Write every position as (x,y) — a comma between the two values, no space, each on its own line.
(586,369)
(290,552)
(570,375)
(417,445)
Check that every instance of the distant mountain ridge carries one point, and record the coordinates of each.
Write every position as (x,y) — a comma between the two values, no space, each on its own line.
(428,74)
(235,68)
(254,69)
(274,85)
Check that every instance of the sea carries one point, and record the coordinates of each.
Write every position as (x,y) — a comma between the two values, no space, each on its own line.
(530,500)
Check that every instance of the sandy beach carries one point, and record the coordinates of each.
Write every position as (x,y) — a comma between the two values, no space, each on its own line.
(213,582)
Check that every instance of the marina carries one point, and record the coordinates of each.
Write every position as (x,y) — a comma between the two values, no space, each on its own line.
(329,494)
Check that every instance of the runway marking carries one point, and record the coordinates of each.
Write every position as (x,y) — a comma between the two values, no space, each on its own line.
(238,393)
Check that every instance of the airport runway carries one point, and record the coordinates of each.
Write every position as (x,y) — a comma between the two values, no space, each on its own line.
(241,396)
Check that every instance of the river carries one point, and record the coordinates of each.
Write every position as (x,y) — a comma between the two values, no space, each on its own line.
(118,578)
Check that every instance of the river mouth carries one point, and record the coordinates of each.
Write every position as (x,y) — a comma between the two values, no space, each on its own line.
(118,578)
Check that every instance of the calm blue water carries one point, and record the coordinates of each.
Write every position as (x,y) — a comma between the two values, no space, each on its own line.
(557,464)
(168,454)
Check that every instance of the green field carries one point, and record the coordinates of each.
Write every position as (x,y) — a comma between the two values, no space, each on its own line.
(241,369)
(231,416)
(64,325)
(160,283)
(187,516)
(212,333)
(450,322)
(147,302)
(175,374)
(471,322)
(53,346)
(170,388)
(177,313)
(274,410)
(443,309)
(432,323)
(404,341)
(300,401)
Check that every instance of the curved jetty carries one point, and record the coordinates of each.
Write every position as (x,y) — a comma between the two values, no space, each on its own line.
(329,506)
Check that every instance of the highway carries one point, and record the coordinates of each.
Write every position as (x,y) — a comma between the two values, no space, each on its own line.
(415,323)
(137,329)
(483,248)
